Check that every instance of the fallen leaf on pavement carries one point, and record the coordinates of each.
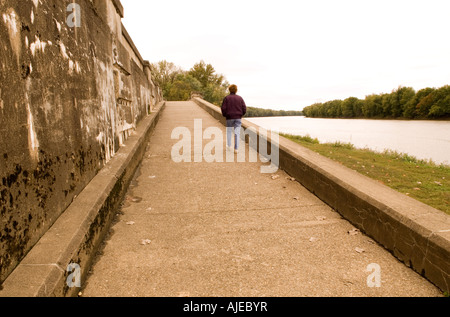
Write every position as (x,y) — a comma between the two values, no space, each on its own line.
(136,199)
(354,231)
(145,241)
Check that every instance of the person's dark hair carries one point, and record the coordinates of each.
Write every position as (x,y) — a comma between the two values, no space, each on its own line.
(233,89)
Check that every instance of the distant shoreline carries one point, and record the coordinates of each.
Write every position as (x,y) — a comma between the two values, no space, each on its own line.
(253,112)
(359,118)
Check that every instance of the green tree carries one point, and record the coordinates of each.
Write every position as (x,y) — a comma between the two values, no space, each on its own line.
(177,84)
(386,105)
(441,106)
(403,102)
(182,87)
(357,108)
(394,103)
(214,86)
(331,110)
(164,74)
(215,93)
(338,105)
(307,111)
(259,112)
(206,74)
(312,111)
(349,106)
(406,101)
(372,106)
(425,98)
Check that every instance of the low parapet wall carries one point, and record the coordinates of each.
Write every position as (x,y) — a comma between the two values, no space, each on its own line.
(415,233)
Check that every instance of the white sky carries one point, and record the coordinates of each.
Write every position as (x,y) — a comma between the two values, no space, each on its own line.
(288,54)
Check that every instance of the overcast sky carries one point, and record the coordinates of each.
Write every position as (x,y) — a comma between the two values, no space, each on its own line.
(288,54)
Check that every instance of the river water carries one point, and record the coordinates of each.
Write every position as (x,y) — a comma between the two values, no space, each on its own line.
(421,139)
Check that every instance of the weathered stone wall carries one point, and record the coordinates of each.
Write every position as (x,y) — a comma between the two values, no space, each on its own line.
(71,92)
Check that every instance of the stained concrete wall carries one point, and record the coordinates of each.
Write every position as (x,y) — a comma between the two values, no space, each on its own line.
(70,95)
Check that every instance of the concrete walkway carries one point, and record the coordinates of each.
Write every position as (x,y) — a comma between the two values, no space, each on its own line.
(225,229)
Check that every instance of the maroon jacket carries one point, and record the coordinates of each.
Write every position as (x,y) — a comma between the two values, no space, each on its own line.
(233,107)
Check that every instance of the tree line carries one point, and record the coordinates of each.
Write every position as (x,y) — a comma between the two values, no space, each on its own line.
(401,103)
(259,112)
(178,84)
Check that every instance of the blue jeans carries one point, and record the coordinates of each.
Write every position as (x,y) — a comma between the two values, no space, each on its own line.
(234,124)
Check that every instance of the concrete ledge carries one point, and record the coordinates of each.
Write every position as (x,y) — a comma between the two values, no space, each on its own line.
(76,235)
(119,7)
(415,233)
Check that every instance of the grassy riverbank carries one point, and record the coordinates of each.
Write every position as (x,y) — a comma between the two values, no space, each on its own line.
(422,180)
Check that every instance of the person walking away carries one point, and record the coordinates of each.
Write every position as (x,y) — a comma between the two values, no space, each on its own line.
(233,109)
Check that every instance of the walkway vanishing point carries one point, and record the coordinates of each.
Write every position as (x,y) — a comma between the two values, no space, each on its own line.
(225,229)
